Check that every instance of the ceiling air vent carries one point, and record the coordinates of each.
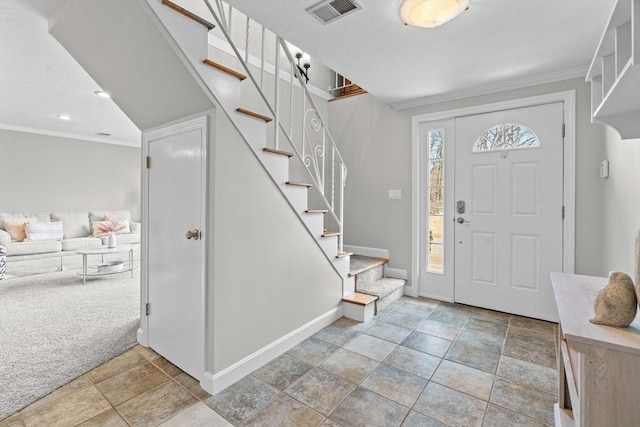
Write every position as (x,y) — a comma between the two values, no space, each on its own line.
(328,11)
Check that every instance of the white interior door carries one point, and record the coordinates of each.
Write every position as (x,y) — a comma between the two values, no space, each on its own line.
(175,268)
(508,236)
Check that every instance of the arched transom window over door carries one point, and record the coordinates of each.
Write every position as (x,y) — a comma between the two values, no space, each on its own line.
(506,136)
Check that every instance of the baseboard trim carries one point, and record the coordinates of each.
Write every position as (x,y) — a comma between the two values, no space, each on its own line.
(215,383)
(436,297)
(396,273)
(142,338)
(362,250)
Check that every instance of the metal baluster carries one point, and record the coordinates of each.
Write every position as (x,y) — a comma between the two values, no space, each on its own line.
(291,103)
(221,10)
(230,20)
(262,60)
(341,210)
(277,86)
(246,43)
(304,124)
(333,178)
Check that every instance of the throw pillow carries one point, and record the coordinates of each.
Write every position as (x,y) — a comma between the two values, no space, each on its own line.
(16,228)
(43,231)
(106,227)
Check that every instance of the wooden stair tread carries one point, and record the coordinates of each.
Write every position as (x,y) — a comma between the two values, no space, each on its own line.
(343,254)
(224,69)
(359,298)
(322,211)
(331,233)
(360,263)
(300,184)
(348,95)
(188,14)
(254,115)
(274,151)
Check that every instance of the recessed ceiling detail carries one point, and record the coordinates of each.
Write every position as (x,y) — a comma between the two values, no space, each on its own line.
(328,11)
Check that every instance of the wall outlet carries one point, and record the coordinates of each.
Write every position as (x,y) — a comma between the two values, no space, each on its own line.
(604,169)
(395,194)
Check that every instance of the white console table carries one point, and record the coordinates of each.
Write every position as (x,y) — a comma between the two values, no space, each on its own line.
(599,366)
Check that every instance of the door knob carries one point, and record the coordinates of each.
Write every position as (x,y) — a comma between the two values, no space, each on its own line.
(193,234)
(461,220)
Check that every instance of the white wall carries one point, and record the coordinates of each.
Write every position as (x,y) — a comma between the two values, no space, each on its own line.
(269,275)
(621,203)
(376,143)
(40,173)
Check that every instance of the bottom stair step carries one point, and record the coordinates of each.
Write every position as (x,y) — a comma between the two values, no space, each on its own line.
(359,306)
(387,289)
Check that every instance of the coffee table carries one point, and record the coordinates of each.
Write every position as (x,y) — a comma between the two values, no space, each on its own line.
(104,250)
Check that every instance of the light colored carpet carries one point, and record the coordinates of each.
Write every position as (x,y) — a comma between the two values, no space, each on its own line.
(53,329)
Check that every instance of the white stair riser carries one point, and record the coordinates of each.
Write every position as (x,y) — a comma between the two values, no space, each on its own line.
(342,264)
(297,196)
(191,36)
(254,130)
(276,164)
(348,285)
(329,245)
(225,87)
(358,312)
(314,222)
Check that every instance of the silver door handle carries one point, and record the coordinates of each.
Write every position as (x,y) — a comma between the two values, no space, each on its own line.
(193,234)
(461,220)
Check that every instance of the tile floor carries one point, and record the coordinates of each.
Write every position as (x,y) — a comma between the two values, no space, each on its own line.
(419,363)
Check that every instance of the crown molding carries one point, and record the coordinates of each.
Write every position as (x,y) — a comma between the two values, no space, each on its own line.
(538,79)
(102,140)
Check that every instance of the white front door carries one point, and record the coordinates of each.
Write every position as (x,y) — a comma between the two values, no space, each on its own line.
(509,214)
(175,268)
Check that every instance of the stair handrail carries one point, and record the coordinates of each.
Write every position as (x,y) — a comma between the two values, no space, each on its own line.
(307,160)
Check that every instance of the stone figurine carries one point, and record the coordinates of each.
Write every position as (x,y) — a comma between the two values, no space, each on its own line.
(616,303)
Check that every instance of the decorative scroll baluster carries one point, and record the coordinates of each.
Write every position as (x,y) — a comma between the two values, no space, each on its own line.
(311,151)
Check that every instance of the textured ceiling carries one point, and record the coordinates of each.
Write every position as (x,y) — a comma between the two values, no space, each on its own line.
(493,43)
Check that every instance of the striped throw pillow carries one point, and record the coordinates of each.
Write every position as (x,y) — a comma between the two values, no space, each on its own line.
(43,231)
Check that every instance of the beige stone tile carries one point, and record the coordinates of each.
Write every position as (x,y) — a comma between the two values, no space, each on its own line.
(67,389)
(528,375)
(192,385)
(350,366)
(242,399)
(365,408)
(533,403)
(108,418)
(282,371)
(14,420)
(395,384)
(371,347)
(320,390)
(312,351)
(498,416)
(125,385)
(438,329)
(450,407)
(414,361)
(162,363)
(533,324)
(196,416)
(156,405)
(465,379)
(69,410)
(124,362)
(282,411)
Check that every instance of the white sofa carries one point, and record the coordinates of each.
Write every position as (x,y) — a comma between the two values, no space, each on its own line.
(77,234)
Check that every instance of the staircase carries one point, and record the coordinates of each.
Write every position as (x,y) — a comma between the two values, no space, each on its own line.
(369,280)
(267,130)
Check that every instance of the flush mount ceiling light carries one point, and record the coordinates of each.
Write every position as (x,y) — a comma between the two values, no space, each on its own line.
(102,94)
(431,13)
(63,117)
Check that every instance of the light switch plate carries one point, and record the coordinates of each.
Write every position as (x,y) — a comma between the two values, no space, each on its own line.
(395,194)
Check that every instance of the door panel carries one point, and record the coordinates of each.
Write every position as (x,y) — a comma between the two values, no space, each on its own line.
(175,268)
(511,236)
